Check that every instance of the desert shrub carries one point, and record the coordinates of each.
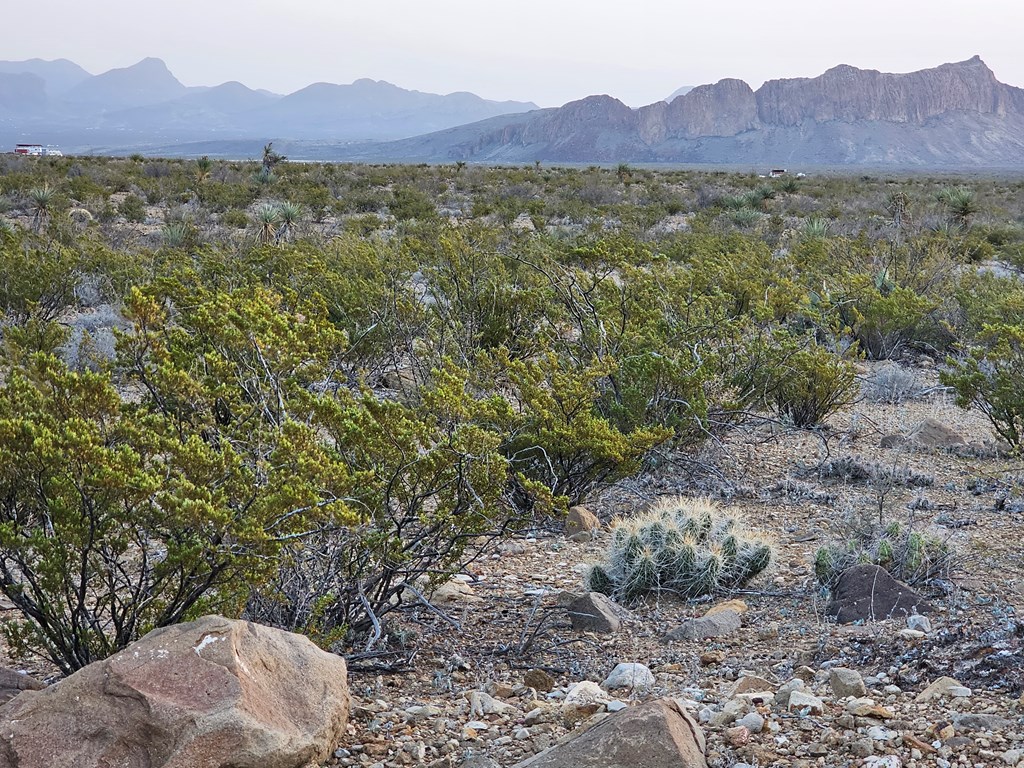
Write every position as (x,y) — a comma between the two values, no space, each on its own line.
(887,318)
(120,517)
(683,546)
(409,203)
(891,384)
(910,555)
(555,437)
(805,382)
(848,468)
(234,218)
(990,377)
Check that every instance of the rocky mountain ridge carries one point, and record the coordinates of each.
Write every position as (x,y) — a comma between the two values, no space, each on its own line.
(953,114)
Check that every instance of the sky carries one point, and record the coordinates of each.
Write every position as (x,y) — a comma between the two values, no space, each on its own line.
(545,51)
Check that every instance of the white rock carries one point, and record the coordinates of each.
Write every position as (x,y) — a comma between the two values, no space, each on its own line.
(880,733)
(883,761)
(616,706)
(637,677)
(586,692)
(800,701)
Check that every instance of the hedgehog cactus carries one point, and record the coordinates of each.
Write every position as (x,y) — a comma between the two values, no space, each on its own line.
(685,546)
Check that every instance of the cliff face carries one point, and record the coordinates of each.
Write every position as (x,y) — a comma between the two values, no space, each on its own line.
(724,109)
(850,94)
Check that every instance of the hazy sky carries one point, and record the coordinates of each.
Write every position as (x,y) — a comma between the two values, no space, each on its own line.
(546,51)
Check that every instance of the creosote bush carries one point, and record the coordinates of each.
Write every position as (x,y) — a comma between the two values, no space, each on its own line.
(683,546)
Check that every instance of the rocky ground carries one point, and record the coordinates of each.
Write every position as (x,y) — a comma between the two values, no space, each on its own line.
(506,662)
(499,673)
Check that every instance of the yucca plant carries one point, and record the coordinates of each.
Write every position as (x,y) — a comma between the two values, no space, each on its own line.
(290,215)
(688,547)
(41,200)
(267,218)
(961,204)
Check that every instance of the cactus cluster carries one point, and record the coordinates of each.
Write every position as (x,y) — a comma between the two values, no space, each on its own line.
(685,546)
(909,555)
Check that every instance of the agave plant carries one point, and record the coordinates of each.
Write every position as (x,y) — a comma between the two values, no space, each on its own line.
(174,234)
(815,228)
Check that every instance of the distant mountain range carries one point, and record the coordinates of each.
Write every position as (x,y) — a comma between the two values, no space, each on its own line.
(955,115)
(144,105)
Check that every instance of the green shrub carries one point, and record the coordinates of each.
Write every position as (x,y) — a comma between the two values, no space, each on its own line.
(805,382)
(133,208)
(684,546)
(990,377)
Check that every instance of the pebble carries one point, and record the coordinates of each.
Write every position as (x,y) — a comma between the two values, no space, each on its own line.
(752,721)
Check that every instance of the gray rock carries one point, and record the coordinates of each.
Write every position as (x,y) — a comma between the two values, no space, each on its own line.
(974,722)
(782,695)
(594,612)
(636,677)
(13,682)
(919,623)
(752,721)
(658,734)
(846,682)
(721,624)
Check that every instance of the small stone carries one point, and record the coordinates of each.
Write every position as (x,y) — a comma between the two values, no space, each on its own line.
(799,701)
(499,690)
(615,706)
(594,612)
(521,734)
(1012,756)
(752,721)
(879,733)
(710,658)
(782,695)
(960,692)
(919,623)
(737,606)
(846,682)
(581,520)
(911,635)
(481,704)
(862,747)
(721,624)
(751,684)
(804,673)
(883,761)
(980,722)
(539,680)
(738,736)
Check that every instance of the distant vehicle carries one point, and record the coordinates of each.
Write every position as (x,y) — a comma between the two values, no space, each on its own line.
(776,172)
(37,150)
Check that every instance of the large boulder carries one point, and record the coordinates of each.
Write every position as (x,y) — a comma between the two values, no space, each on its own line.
(658,734)
(212,693)
(868,593)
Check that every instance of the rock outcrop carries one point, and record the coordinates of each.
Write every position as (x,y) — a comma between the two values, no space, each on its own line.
(209,693)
